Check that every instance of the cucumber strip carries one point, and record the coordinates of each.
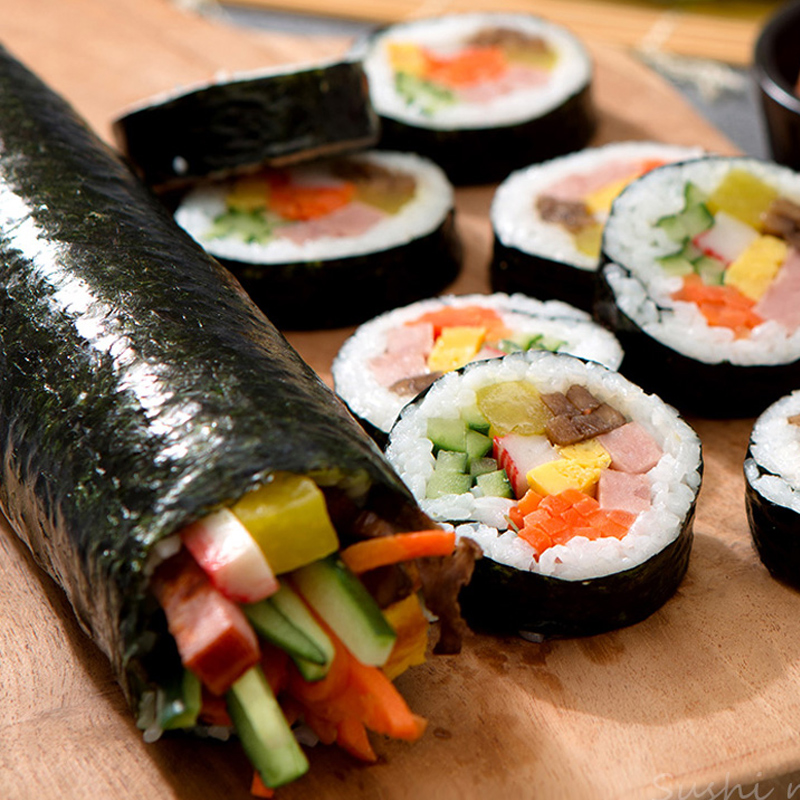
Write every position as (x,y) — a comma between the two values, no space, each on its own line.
(447,434)
(341,600)
(451,461)
(291,605)
(495,484)
(263,730)
(274,626)
(444,482)
(178,702)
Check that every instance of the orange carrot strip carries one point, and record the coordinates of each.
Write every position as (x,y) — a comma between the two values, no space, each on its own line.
(302,202)
(352,737)
(470,66)
(383,550)
(259,789)
(465,317)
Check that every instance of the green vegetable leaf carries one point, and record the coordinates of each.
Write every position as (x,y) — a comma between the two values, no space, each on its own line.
(250,226)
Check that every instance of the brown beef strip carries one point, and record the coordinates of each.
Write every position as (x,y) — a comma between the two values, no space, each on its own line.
(782,219)
(570,214)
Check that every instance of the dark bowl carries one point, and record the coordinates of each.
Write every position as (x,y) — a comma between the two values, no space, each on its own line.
(777,66)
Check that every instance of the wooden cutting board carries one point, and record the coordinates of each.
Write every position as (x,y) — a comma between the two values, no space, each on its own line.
(706,690)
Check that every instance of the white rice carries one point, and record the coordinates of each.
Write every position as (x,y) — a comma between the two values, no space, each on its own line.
(775,447)
(357,385)
(516,221)
(674,481)
(642,288)
(570,74)
(421,215)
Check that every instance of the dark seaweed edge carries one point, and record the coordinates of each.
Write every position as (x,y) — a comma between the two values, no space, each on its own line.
(515,270)
(774,528)
(93,474)
(472,156)
(491,601)
(337,292)
(242,124)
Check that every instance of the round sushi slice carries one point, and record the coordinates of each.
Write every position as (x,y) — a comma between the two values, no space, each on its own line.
(579,487)
(548,218)
(772,488)
(247,120)
(334,241)
(395,356)
(480,93)
(701,283)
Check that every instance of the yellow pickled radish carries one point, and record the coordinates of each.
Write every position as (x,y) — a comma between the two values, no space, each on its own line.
(742,195)
(455,347)
(288,518)
(755,269)
(248,193)
(513,407)
(588,240)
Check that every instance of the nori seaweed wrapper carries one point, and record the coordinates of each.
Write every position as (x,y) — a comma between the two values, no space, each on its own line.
(140,387)
(248,121)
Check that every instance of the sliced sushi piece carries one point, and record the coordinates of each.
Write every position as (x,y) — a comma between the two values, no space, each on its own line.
(170,461)
(548,218)
(392,358)
(599,533)
(701,283)
(772,488)
(243,121)
(332,242)
(481,94)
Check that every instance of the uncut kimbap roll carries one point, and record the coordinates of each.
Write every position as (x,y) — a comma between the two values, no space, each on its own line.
(187,480)
(772,488)
(548,218)
(701,283)
(331,242)
(578,486)
(392,358)
(242,121)
(481,94)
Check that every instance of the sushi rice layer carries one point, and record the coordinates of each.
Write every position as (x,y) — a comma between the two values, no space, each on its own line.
(773,468)
(571,72)
(421,215)
(360,388)
(633,243)
(516,220)
(674,481)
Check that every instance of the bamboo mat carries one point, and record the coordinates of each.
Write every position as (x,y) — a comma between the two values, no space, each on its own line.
(724,31)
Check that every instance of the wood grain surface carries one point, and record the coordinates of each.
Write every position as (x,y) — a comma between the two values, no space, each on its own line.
(705,692)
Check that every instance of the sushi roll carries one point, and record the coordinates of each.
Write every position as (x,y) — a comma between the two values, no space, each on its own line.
(334,241)
(186,479)
(772,488)
(243,121)
(393,357)
(548,218)
(578,486)
(701,283)
(481,94)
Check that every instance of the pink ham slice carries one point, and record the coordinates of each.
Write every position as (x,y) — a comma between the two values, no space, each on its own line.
(576,186)
(779,302)
(631,448)
(406,354)
(214,638)
(623,490)
(351,220)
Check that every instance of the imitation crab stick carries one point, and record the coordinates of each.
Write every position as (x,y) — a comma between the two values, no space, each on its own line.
(384,550)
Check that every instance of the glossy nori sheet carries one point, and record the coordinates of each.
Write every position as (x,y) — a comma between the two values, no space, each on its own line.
(139,386)
(514,270)
(472,156)
(331,293)
(502,599)
(775,530)
(249,121)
